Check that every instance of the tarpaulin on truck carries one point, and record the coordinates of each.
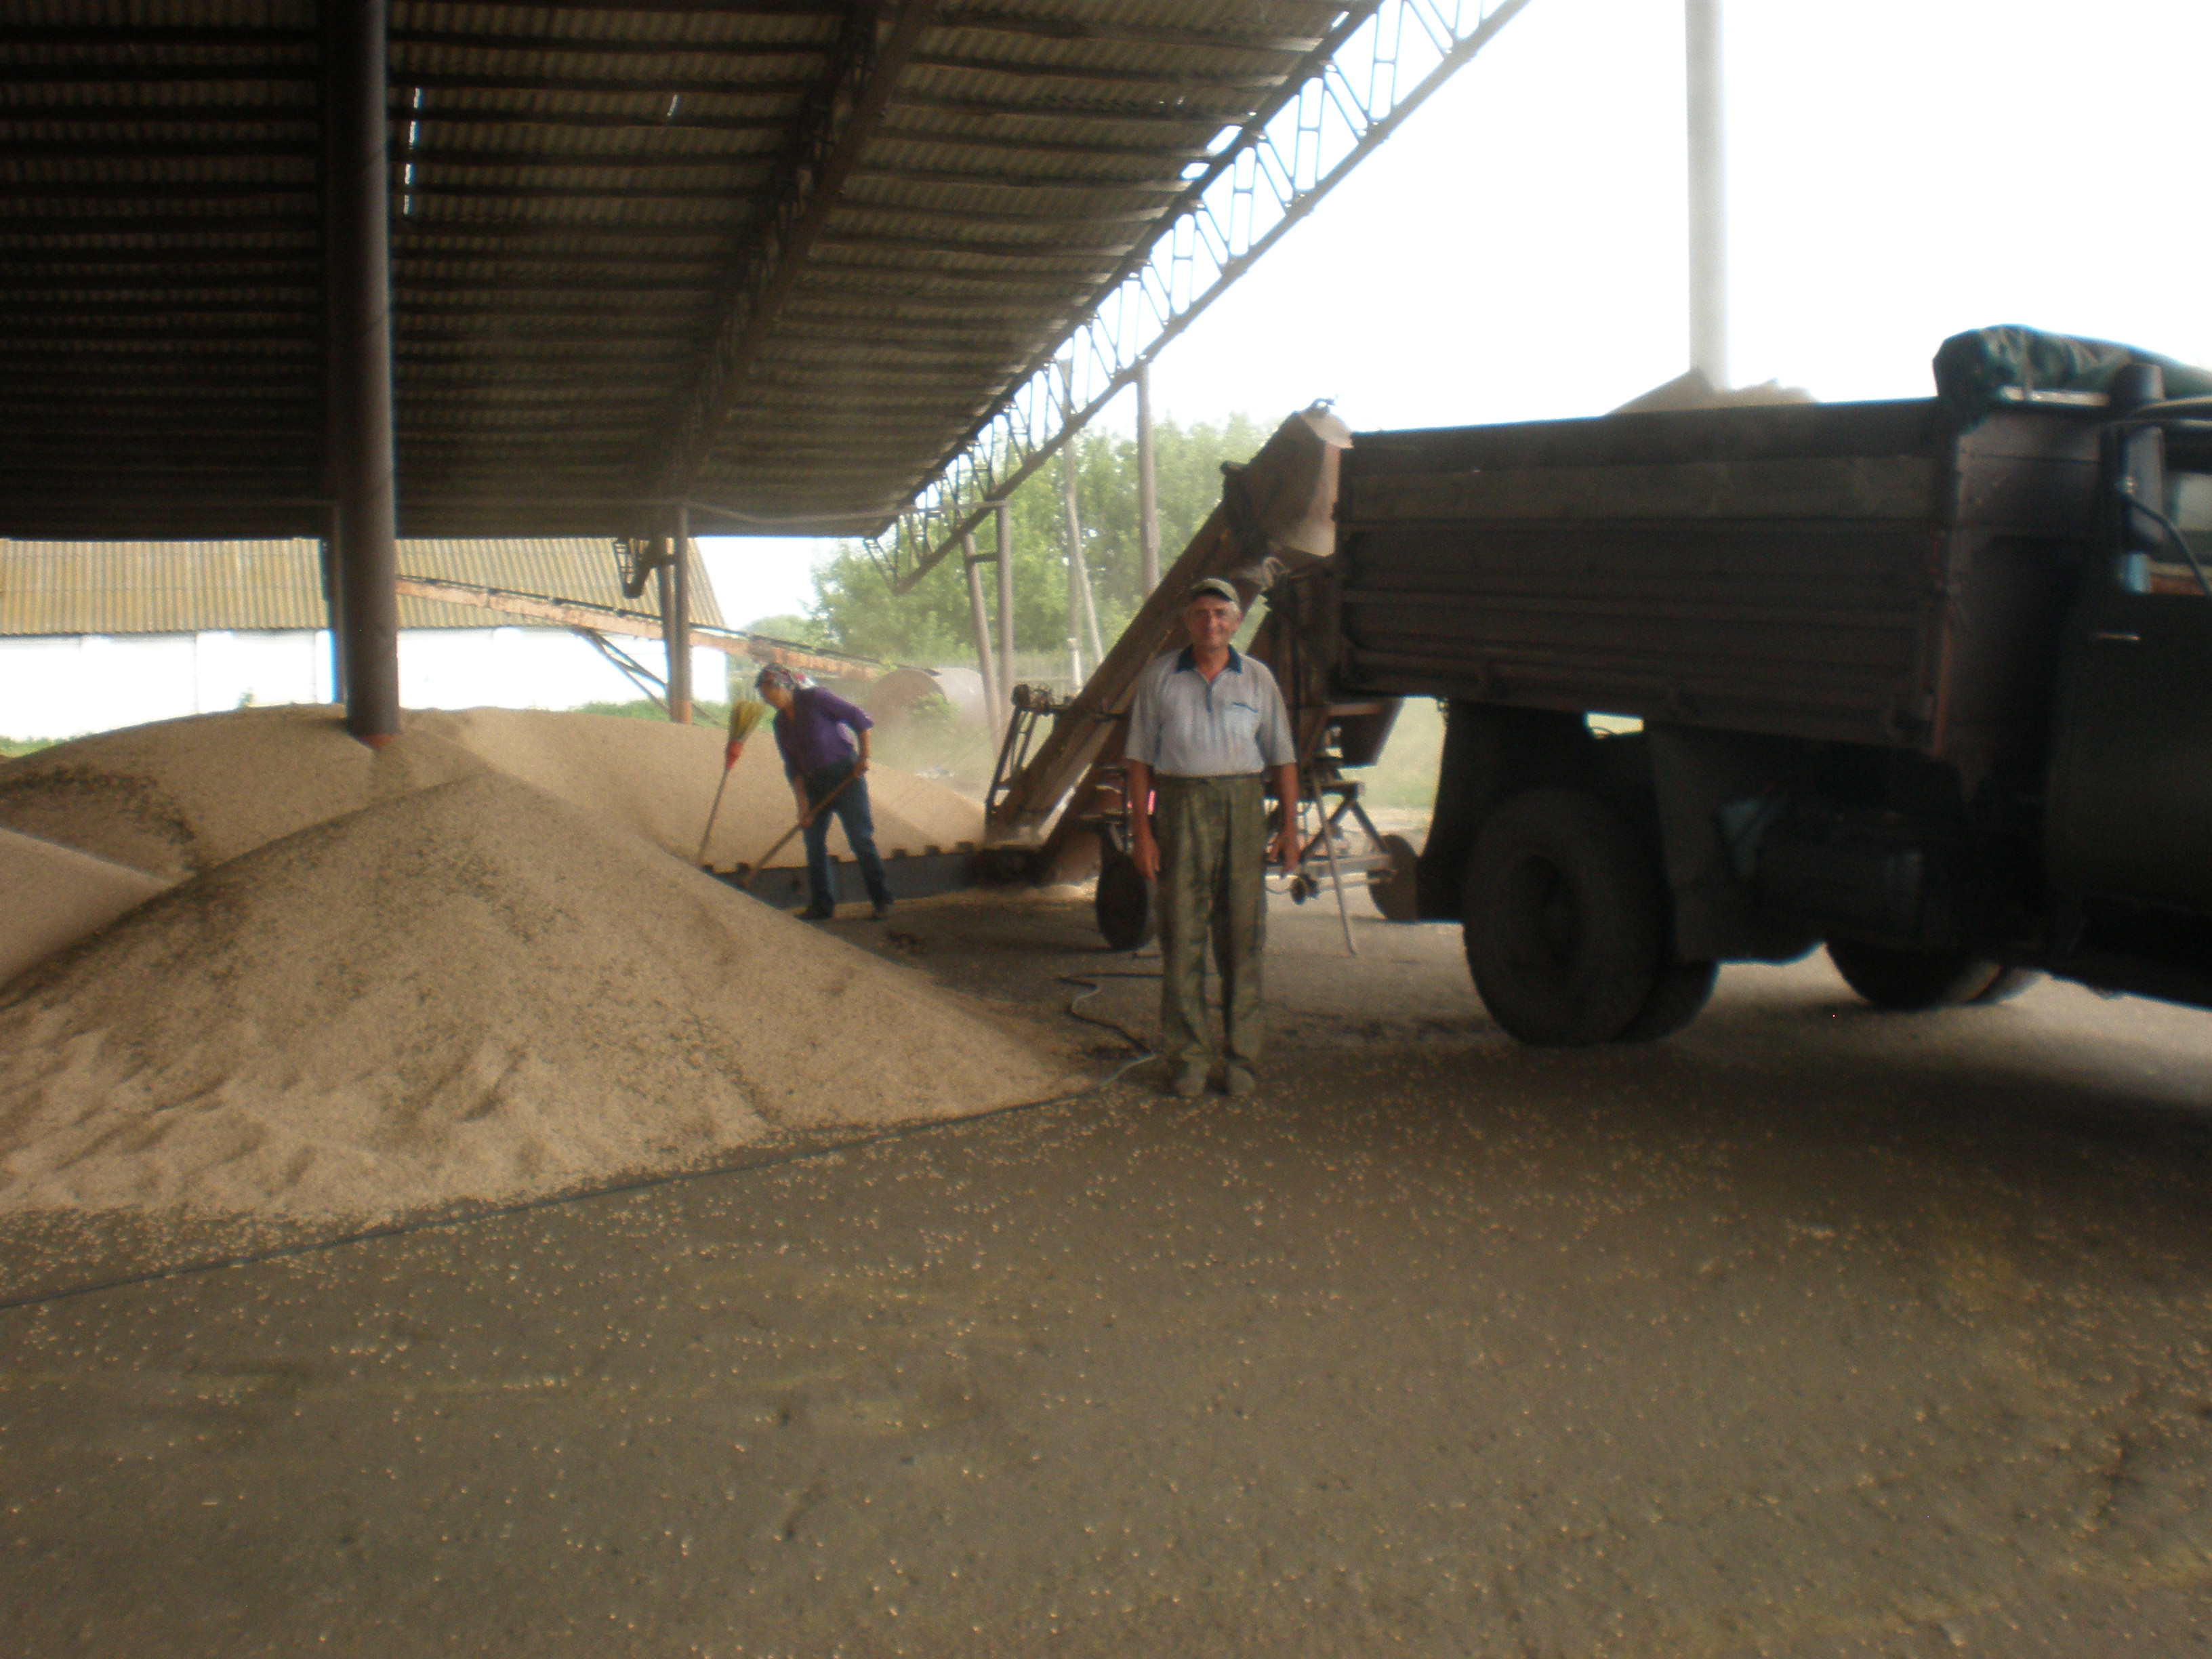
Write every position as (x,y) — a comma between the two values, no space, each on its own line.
(1974,369)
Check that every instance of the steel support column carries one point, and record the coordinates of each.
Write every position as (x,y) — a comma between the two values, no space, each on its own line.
(333,604)
(1082,603)
(357,244)
(1148,486)
(979,615)
(676,622)
(1709,331)
(1005,529)
(664,591)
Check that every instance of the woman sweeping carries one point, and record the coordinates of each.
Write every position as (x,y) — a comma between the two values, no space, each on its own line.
(823,740)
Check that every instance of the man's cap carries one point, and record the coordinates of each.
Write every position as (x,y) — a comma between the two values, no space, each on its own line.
(1218,587)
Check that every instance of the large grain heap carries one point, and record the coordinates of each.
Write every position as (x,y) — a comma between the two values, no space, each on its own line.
(459,969)
(181,796)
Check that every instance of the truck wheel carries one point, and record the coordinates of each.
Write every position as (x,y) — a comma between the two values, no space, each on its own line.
(1126,915)
(1680,995)
(1909,980)
(1392,890)
(2008,984)
(1564,919)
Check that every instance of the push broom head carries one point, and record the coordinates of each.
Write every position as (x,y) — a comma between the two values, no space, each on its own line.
(745,717)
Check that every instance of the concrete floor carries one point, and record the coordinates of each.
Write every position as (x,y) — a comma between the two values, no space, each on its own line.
(1814,1331)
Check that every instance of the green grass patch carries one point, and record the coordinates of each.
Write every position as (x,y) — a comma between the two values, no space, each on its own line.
(703,714)
(1405,776)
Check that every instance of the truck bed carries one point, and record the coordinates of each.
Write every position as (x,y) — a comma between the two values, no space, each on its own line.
(1852,572)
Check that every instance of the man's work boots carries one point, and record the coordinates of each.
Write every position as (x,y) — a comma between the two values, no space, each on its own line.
(1239,1080)
(1189,1080)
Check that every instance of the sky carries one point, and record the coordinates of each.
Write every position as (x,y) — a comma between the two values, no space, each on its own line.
(1897,173)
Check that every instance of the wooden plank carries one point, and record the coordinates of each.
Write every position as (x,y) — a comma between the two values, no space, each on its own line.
(1828,709)
(636,624)
(1835,486)
(537,607)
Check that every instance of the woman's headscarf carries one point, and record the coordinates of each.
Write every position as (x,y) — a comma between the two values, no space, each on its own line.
(776,677)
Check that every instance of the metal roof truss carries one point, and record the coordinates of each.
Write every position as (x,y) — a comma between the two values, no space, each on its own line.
(1383,60)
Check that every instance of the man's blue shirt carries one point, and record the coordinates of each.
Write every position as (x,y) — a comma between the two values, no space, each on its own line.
(1183,726)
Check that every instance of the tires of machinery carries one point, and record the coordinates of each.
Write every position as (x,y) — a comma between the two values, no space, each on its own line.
(2008,984)
(1564,919)
(1911,981)
(1127,915)
(1392,890)
(1680,996)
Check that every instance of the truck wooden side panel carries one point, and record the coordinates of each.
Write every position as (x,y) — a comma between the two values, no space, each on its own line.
(1853,573)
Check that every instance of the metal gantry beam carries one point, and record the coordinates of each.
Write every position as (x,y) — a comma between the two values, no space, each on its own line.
(848,105)
(1384,60)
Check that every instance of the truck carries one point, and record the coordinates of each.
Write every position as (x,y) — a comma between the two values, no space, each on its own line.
(1926,682)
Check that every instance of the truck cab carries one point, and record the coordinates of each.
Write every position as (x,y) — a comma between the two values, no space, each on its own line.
(2129,830)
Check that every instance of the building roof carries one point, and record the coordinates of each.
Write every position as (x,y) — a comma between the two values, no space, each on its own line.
(785,256)
(188,588)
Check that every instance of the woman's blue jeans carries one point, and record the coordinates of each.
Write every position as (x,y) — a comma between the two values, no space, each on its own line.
(851,810)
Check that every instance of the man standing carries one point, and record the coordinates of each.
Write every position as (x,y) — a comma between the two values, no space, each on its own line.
(1207,726)
(823,740)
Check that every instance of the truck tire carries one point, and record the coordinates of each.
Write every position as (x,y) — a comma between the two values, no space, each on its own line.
(2008,984)
(1909,981)
(1392,890)
(1679,997)
(1564,919)
(1127,914)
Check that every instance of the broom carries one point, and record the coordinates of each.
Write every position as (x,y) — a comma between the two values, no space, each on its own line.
(752,873)
(744,719)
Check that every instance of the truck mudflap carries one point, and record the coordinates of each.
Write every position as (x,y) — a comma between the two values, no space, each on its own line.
(1697,776)
(1490,755)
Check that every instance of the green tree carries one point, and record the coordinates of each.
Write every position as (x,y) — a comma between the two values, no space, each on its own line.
(855,609)
(798,631)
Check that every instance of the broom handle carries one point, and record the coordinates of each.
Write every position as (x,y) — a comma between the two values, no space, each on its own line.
(711,812)
(814,812)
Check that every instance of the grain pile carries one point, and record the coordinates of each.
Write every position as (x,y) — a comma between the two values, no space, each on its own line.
(458,969)
(657,781)
(182,796)
(185,795)
(52,896)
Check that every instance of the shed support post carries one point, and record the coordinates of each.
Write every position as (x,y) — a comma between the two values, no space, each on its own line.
(357,208)
(1073,531)
(1082,605)
(979,615)
(676,621)
(1006,530)
(1709,330)
(664,590)
(1148,486)
(334,605)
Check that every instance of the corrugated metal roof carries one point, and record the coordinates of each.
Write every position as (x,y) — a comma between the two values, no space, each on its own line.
(583,197)
(185,587)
